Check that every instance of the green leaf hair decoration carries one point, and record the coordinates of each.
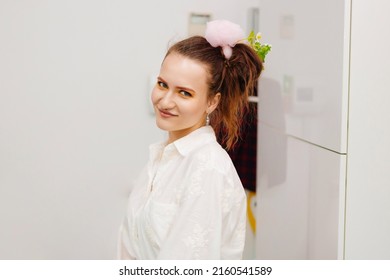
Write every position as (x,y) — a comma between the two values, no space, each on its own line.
(261,49)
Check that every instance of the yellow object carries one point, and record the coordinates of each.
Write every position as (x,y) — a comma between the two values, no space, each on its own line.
(250,210)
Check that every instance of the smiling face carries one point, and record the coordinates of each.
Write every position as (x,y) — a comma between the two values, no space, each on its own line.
(180,96)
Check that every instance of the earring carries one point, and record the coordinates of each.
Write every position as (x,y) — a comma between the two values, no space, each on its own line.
(207,119)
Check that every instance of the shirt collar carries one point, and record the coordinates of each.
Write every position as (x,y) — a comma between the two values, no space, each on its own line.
(155,150)
(194,140)
(186,144)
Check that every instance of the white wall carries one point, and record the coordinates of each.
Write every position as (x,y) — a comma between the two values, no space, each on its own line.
(368,176)
(74,117)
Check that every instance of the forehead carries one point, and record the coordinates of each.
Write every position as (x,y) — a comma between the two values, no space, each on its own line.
(183,71)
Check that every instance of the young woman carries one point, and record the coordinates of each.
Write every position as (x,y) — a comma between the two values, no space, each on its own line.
(189,203)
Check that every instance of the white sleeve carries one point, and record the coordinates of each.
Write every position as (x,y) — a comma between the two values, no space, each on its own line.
(122,252)
(210,222)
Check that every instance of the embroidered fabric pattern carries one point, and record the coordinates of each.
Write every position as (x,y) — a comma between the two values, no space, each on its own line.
(197,241)
(181,217)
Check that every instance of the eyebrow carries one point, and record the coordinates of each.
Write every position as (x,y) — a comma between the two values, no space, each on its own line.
(187,89)
(179,87)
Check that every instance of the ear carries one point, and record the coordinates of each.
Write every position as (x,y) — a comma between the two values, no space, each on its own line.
(213,103)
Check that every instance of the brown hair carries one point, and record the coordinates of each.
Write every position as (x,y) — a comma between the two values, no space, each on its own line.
(235,79)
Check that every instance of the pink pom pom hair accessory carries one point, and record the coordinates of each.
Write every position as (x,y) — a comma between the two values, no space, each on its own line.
(225,34)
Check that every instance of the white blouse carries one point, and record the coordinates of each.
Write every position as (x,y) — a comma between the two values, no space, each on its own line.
(188,203)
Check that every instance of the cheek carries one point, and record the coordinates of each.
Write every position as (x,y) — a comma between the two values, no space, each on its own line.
(194,109)
(154,96)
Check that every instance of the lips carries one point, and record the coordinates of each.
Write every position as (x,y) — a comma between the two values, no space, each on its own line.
(166,114)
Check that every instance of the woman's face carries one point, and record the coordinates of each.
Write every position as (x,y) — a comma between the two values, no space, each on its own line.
(180,96)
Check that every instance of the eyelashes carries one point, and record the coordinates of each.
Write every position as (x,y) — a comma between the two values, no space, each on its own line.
(184,93)
(162,84)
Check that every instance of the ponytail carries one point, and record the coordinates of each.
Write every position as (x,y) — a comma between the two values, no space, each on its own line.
(239,81)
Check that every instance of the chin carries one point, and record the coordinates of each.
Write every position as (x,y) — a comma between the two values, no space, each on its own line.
(163,126)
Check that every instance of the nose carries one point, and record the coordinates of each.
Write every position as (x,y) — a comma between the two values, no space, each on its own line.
(167,100)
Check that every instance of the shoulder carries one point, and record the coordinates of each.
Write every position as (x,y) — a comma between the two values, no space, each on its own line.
(218,175)
(201,151)
(214,157)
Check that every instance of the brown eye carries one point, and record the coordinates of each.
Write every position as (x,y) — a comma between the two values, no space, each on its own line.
(162,84)
(185,93)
